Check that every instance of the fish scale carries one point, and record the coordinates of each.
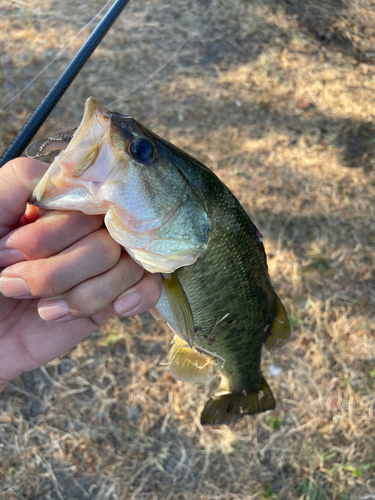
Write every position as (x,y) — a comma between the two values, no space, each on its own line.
(213,292)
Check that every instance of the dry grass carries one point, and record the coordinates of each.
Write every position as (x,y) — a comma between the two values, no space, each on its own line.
(278,99)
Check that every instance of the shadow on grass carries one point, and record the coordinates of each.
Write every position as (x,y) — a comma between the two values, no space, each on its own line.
(319,20)
(354,140)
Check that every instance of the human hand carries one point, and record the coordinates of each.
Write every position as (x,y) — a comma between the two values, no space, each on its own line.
(62,276)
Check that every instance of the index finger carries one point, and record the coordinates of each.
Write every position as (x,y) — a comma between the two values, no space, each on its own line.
(18,179)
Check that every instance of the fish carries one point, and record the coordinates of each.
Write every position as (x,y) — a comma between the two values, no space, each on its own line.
(174,216)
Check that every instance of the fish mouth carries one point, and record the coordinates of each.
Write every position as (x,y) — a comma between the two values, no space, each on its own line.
(75,177)
(91,173)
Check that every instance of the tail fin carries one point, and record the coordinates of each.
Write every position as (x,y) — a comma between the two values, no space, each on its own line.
(229,408)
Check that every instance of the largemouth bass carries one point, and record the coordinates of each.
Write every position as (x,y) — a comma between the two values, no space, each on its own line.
(175,217)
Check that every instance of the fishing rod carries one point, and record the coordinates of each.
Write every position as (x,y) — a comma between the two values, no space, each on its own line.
(42,112)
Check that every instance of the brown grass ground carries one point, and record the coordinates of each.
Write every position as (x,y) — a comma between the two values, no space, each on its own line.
(278,99)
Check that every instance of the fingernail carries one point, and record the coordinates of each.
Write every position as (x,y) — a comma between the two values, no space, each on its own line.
(14,287)
(10,256)
(126,303)
(51,310)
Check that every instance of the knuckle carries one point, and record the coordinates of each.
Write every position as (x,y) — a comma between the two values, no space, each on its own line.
(83,222)
(131,272)
(86,310)
(32,241)
(87,304)
(50,281)
(108,246)
(154,284)
(94,221)
(150,289)
(37,277)
(138,273)
(15,169)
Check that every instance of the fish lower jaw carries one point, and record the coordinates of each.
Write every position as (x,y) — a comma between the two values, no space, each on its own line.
(39,190)
(156,263)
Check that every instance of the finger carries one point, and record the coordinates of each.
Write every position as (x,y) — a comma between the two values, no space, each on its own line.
(36,342)
(148,289)
(95,296)
(47,236)
(18,179)
(89,257)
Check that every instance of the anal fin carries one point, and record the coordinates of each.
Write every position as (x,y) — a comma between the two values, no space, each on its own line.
(188,365)
(280,328)
(229,408)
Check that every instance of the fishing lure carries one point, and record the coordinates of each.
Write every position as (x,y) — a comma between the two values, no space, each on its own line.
(51,146)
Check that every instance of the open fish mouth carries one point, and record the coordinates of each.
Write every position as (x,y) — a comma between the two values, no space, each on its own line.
(74,179)
(116,167)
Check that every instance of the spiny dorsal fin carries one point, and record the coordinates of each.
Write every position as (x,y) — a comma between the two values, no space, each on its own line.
(228,408)
(180,307)
(280,329)
(188,365)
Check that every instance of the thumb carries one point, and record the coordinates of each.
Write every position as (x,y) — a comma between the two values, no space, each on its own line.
(18,179)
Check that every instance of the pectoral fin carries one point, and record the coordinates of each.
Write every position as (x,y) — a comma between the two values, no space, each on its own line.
(280,329)
(227,408)
(180,307)
(186,364)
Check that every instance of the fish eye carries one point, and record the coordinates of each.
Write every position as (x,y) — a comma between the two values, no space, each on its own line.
(142,150)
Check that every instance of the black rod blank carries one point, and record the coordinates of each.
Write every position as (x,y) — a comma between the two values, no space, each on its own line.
(41,113)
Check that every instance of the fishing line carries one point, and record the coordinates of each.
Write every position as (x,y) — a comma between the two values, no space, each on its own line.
(189,36)
(8,154)
(173,56)
(75,37)
(41,113)
(56,57)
